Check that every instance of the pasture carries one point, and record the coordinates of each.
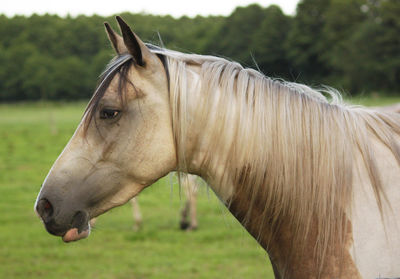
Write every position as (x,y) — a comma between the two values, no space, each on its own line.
(31,137)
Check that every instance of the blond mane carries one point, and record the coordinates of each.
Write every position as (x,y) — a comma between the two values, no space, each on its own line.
(291,148)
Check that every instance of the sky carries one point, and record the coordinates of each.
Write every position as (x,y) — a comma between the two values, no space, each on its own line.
(175,8)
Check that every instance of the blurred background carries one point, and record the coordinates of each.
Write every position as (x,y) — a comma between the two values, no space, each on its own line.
(51,54)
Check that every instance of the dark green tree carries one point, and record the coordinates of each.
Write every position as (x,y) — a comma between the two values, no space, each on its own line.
(304,46)
(269,41)
(235,38)
(38,77)
(71,79)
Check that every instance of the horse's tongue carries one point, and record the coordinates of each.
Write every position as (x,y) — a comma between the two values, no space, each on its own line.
(73,235)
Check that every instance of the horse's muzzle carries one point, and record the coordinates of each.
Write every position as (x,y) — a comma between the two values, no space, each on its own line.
(60,226)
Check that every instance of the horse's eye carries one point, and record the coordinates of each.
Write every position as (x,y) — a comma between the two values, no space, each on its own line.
(109,113)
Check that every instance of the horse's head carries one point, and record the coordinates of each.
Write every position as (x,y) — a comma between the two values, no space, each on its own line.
(123,143)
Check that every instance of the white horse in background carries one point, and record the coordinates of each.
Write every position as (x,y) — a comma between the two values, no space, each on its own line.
(188,221)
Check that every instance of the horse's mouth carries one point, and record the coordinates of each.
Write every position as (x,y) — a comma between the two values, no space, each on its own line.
(80,227)
(74,234)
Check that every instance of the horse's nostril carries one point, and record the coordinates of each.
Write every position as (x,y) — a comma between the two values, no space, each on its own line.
(45,209)
(47,206)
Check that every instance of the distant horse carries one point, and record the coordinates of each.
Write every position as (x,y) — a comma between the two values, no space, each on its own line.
(188,220)
(316,182)
(189,212)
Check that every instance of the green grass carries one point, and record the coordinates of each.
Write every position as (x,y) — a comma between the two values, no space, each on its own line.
(31,137)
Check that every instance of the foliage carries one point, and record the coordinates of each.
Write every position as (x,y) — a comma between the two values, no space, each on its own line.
(348,44)
(304,46)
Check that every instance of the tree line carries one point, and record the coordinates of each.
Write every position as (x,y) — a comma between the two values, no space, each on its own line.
(353,45)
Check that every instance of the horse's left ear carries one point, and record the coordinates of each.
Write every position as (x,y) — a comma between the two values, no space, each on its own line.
(134,45)
(116,40)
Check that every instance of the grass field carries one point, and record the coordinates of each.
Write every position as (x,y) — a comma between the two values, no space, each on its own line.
(31,137)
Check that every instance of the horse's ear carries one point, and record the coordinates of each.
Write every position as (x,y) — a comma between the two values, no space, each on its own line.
(132,42)
(116,40)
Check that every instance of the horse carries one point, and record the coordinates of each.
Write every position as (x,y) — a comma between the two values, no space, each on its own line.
(136,214)
(315,181)
(188,221)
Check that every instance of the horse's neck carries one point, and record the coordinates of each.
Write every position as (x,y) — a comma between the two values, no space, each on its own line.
(197,137)
(278,243)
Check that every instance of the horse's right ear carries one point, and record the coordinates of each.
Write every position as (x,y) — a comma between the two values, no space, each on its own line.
(116,40)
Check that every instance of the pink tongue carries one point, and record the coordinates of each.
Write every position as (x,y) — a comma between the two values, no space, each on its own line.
(73,235)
